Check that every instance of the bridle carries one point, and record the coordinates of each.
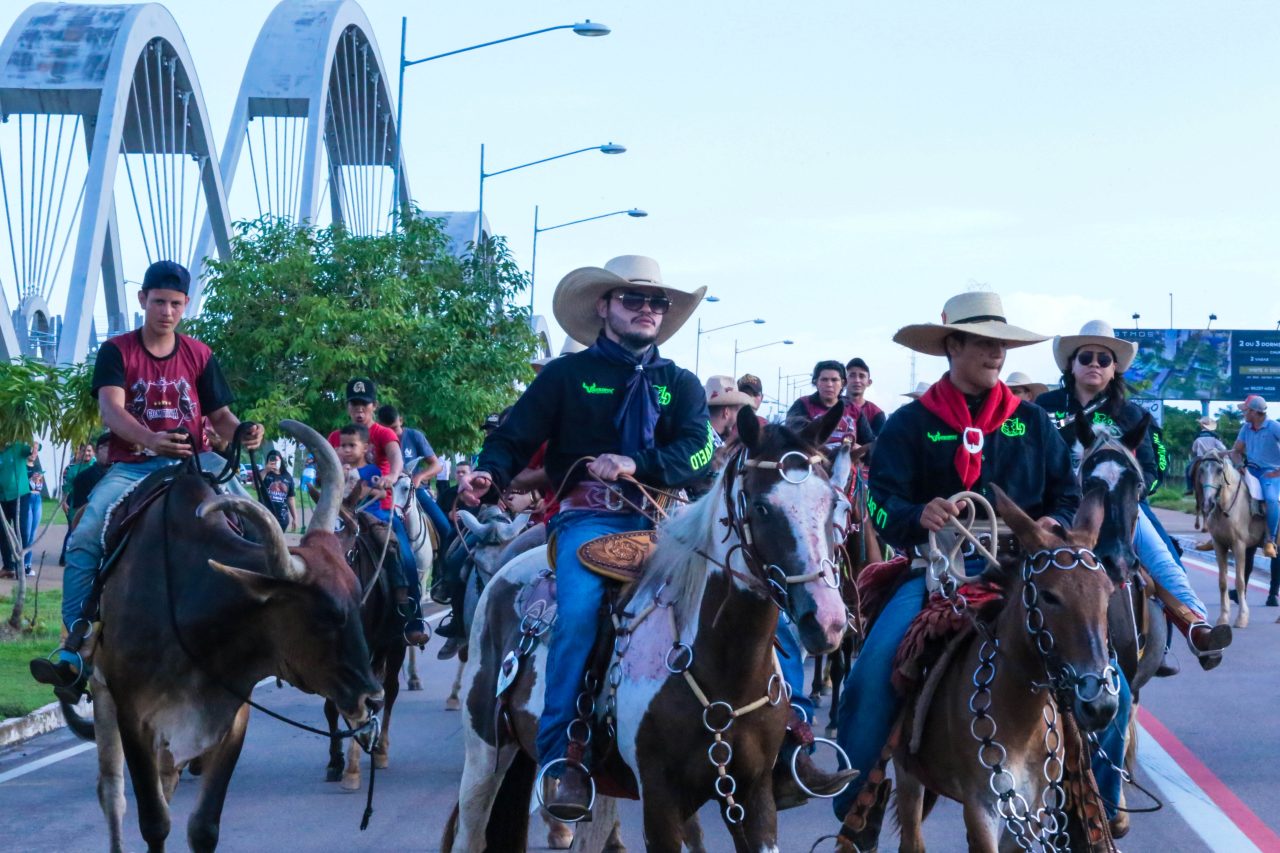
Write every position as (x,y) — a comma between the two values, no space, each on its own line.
(1217,489)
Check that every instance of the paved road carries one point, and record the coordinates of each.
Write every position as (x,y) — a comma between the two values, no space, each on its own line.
(1220,725)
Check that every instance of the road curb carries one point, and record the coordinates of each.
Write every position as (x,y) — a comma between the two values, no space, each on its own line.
(40,721)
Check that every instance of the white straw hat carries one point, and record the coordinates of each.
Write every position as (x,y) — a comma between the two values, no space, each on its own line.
(1018,379)
(918,392)
(980,314)
(723,391)
(574,302)
(1094,333)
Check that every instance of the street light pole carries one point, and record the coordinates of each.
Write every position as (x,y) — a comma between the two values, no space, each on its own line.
(697,357)
(736,351)
(633,212)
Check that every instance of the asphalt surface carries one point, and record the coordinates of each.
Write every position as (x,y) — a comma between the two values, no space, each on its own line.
(279,800)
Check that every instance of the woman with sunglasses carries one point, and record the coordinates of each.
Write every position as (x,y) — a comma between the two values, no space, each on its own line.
(1093,365)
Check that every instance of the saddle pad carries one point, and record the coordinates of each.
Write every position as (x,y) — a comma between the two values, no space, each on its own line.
(877,582)
(932,629)
(1255,485)
(618,556)
(121,515)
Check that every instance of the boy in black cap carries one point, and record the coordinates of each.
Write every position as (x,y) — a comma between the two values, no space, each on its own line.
(154,388)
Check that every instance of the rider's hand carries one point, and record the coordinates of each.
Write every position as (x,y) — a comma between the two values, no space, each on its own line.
(174,445)
(253,437)
(938,512)
(472,487)
(611,466)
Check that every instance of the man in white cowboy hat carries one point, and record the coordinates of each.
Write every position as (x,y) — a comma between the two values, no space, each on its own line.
(917,392)
(1258,447)
(967,431)
(1024,386)
(723,402)
(637,414)
(1093,364)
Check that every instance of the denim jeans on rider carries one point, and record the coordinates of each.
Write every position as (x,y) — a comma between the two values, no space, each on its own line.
(406,568)
(439,520)
(31,504)
(1271,495)
(578,597)
(1162,562)
(791,657)
(869,705)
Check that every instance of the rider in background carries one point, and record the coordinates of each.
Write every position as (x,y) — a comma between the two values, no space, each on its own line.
(967,432)
(1024,386)
(154,387)
(421,463)
(1258,448)
(828,380)
(857,381)
(83,460)
(1093,365)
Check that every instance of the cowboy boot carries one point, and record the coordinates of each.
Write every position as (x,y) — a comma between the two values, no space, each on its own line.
(1273,592)
(573,797)
(787,791)
(1208,642)
(1269,548)
(1206,545)
(416,632)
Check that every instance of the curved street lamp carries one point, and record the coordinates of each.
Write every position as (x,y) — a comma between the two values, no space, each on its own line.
(736,351)
(634,213)
(697,356)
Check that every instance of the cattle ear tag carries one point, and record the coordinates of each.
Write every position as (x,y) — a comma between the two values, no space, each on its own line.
(507,672)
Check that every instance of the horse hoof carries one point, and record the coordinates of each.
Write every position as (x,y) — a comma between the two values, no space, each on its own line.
(380,760)
(350,782)
(560,837)
(452,704)
(1242,622)
(816,699)
(415,683)
(332,774)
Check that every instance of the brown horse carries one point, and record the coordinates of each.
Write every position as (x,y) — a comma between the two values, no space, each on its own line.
(1229,518)
(999,707)
(694,699)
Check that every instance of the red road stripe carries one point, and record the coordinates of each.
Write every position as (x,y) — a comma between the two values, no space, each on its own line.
(1231,805)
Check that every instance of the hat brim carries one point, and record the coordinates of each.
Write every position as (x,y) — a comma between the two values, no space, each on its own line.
(732,398)
(1065,346)
(928,338)
(1036,388)
(1208,423)
(574,303)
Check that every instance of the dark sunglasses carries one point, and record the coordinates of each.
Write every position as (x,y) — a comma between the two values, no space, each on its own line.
(636,301)
(1086,358)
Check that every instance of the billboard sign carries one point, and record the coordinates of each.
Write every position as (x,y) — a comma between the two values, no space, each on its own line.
(1203,364)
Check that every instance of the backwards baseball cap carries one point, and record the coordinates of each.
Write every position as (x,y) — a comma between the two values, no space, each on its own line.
(1252,403)
(167,275)
(491,421)
(749,383)
(361,390)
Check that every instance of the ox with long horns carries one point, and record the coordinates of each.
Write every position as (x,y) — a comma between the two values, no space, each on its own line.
(193,616)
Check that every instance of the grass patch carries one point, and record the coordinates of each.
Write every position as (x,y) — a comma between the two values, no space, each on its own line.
(1171,497)
(19,694)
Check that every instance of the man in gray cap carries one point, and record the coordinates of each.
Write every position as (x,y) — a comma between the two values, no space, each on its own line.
(1259,446)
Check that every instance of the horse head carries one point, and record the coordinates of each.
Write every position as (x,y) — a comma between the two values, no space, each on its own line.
(1062,605)
(493,530)
(1214,473)
(1110,467)
(786,506)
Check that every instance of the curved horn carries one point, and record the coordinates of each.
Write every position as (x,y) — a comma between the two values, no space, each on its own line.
(328,474)
(280,563)
(473,524)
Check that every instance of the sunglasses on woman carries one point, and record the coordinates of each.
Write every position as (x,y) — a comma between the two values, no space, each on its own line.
(636,301)
(1086,358)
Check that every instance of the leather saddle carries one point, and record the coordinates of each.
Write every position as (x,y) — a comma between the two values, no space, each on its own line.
(618,556)
(125,512)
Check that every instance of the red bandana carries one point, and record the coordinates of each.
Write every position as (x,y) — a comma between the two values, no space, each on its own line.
(947,402)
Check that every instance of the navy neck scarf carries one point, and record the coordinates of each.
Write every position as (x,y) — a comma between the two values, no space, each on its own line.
(637,417)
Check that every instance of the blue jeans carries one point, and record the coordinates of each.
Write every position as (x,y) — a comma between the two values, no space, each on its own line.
(30,507)
(407,565)
(1162,562)
(1270,494)
(84,551)
(869,705)
(579,594)
(792,659)
(439,520)
(1112,739)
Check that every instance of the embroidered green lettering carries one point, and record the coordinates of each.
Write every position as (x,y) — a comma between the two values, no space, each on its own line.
(703,457)
(1014,428)
(664,396)
(593,388)
(935,437)
(878,516)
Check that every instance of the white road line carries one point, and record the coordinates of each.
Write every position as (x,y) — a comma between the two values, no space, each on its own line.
(1200,812)
(41,763)
(1212,569)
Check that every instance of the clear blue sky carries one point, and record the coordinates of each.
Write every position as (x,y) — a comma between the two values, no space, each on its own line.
(841,168)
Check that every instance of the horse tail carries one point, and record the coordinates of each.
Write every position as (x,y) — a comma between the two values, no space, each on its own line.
(79,726)
(450,831)
(508,827)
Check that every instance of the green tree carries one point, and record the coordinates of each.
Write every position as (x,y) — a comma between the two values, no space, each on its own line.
(297,311)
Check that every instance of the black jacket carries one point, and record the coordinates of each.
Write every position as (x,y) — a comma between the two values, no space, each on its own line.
(1152,454)
(914,463)
(571,406)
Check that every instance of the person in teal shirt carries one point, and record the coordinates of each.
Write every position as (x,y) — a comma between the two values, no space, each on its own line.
(13,485)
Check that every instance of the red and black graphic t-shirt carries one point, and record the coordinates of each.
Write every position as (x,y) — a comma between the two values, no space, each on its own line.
(163,393)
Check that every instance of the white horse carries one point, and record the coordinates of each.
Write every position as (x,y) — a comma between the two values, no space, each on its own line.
(423,541)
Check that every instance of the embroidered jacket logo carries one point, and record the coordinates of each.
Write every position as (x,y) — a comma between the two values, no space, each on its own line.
(935,437)
(1014,427)
(593,388)
(664,396)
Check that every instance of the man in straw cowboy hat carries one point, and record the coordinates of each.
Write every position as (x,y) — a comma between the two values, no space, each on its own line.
(637,414)
(967,431)
(1024,386)
(1093,365)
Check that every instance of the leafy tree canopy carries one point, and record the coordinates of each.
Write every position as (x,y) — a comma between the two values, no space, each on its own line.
(297,311)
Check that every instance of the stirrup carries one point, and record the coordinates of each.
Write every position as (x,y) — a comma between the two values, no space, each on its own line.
(843,763)
(568,763)
(1213,629)
(423,626)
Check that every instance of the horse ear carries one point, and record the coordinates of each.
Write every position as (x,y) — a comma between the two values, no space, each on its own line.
(1089,516)
(817,432)
(1029,533)
(748,429)
(842,467)
(1137,434)
(1084,431)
